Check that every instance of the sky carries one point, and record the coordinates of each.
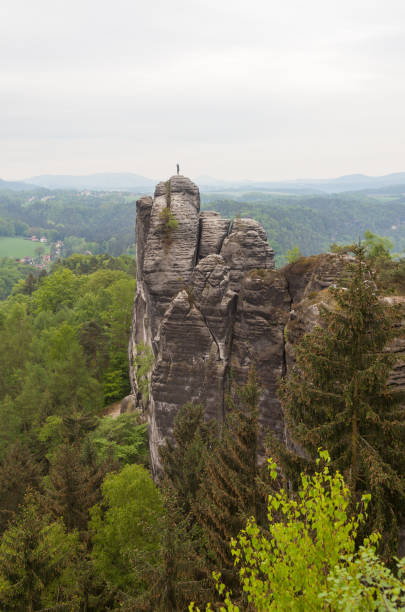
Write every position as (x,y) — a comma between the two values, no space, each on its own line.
(259,89)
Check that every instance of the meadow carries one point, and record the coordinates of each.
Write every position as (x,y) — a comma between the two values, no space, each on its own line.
(19,247)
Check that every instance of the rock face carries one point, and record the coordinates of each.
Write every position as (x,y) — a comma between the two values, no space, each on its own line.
(208,302)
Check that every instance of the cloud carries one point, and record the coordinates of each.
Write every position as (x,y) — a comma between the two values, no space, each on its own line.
(267,89)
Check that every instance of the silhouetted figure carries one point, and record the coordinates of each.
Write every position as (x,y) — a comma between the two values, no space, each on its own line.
(178,168)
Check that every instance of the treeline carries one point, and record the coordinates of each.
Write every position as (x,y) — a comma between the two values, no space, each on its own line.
(314,222)
(91,221)
(11,272)
(12,227)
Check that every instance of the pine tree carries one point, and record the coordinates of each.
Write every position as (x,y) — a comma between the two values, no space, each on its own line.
(182,573)
(338,396)
(74,483)
(229,493)
(18,471)
(38,562)
(184,457)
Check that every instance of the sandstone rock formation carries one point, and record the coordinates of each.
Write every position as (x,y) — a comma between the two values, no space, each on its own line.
(208,302)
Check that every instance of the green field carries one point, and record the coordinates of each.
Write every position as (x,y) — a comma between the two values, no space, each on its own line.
(18,247)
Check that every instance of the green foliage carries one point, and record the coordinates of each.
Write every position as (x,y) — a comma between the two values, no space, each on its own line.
(307,537)
(313,222)
(338,396)
(75,244)
(15,338)
(184,457)
(377,246)
(229,491)
(62,336)
(292,255)
(7,227)
(87,264)
(124,438)
(364,583)
(305,559)
(56,291)
(64,345)
(10,273)
(126,527)
(115,383)
(210,487)
(168,223)
(58,382)
(181,572)
(96,222)
(37,562)
(143,364)
(73,484)
(19,471)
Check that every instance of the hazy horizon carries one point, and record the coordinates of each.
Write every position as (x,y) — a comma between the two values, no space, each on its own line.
(262,91)
(215,178)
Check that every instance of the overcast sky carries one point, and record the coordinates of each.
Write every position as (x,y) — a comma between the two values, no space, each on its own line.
(259,89)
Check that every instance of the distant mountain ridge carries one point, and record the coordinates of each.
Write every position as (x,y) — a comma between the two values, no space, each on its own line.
(128,181)
(16,185)
(350,182)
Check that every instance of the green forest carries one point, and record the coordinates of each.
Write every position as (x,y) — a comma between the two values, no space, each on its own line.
(84,221)
(83,525)
(98,221)
(314,222)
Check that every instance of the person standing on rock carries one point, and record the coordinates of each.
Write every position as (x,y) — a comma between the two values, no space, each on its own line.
(178,169)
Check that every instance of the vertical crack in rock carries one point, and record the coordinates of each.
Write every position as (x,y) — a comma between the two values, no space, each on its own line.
(211,332)
(214,230)
(285,331)
(286,437)
(198,245)
(258,339)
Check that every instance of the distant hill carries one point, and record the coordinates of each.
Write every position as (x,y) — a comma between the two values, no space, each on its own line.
(102,181)
(16,185)
(387,190)
(351,182)
(127,181)
(359,182)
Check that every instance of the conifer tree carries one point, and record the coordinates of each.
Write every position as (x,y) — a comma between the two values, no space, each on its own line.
(38,562)
(184,457)
(74,483)
(338,396)
(18,471)
(182,572)
(229,492)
